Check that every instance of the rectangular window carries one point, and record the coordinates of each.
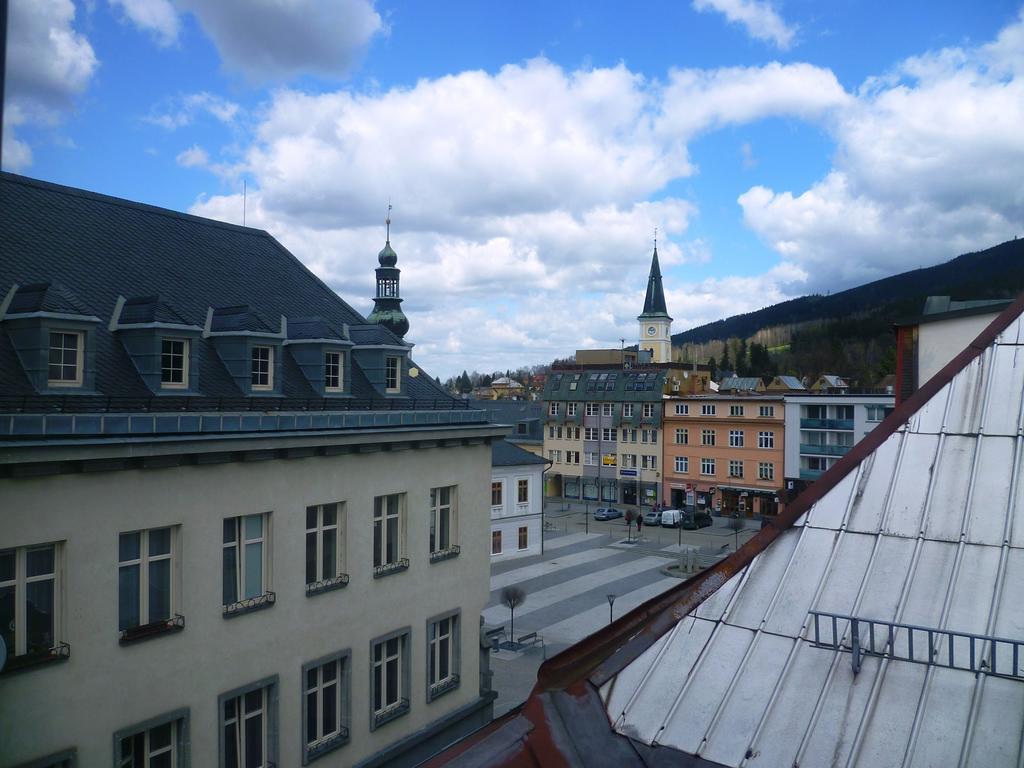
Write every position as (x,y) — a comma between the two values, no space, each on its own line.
(766,411)
(592,409)
(389,697)
(30,599)
(392,374)
(682,465)
(389,533)
(707,466)
(551,433)
(333,369)
(325,712)
(555,456)
(707,409)
(523,490)
(629,435)
(145,577)
(552,409)
(875,412)
(707,437)
(65,369)
(649,436)
(682,409)
(649,462)
(606,409)
(174,363)
(572,433)
(496,494)
(245,560)
(443,518)
(629,461)
(524,537)
(495,542)
(570,409)
(627,410)
(609,435)
(735,410)
(325,547)
(442,656)
(735,468)
(590,433)
(648,410)
(765,470)
(765,439)
(248,721)
(558,432)
(735,438)
(262,368)
(682,437)
(157,743)
(590,458)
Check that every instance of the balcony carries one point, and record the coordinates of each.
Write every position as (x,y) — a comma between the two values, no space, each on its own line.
(815,449)
(842,424)
(811,474)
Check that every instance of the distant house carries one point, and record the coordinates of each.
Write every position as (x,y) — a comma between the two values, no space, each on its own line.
(741,384)
(517,499)
(503,386)
(786,384)
(830,383)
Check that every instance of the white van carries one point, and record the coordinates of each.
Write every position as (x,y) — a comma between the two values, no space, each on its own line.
(671,518)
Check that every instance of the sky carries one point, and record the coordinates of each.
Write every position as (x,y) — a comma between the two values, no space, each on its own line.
(530,150)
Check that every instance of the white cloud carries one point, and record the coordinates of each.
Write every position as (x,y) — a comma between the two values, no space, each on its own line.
(177,112)
(760,19)
(49,63)
(929,162)
(157,17)
(271,39)
(193,157)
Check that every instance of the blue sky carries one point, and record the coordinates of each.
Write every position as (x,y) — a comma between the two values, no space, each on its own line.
(530,149)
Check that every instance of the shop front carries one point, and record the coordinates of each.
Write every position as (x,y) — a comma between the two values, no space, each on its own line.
(571,486)
(629,486)
(749,502)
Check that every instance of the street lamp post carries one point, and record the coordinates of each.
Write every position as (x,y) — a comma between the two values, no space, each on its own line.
(611,602)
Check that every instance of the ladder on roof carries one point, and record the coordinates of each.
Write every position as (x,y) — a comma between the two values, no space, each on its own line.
(981,654)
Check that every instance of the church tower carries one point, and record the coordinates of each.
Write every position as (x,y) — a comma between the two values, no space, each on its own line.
(387,304)
(655,324)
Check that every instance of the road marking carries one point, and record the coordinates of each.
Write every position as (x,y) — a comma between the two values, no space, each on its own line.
(550,566)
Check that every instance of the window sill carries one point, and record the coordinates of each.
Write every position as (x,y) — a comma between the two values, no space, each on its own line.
(393,712)
(155,629)
(380,571)
(441,688)
(258,603)
(326,585)
(32,660)
(321,748)
(445,554)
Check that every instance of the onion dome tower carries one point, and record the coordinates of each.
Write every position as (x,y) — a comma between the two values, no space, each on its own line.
(387,304)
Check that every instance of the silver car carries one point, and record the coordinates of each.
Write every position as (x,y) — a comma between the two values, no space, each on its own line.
(607,513)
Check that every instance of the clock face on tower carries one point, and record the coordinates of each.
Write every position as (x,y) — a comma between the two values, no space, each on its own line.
(651,330)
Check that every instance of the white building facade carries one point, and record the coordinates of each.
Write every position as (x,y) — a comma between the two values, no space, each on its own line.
(517,502)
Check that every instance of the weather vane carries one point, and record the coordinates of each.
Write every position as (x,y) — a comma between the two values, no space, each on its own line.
(655,238)
(387,222)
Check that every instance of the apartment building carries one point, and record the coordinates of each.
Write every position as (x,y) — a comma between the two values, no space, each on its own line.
(821,429)
(603,434)
(237,522)
(517,501)
(724,453)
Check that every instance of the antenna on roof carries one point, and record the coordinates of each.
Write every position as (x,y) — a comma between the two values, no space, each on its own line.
(243,202)
(387,222)
(655,238)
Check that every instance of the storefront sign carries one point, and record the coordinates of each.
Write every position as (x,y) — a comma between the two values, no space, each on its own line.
(627,472)
(609,460)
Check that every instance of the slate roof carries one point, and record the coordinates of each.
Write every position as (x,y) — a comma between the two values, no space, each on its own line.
(614,384)
(505,454)
(88,249)
(654,301)
(921,523)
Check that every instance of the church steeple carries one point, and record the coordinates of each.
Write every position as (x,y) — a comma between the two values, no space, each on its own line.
(655,323)
(387,309)
(654,303)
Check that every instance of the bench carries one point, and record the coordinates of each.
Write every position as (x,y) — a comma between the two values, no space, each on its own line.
(495,635)
(527,641)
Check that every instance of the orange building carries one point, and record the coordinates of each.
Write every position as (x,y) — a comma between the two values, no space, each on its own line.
(724,453)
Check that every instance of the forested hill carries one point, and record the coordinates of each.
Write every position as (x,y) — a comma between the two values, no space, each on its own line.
(994,273)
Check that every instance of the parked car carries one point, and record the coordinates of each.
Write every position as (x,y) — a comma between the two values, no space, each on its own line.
(607,513)
(696,520)
(670,518)
(652,517)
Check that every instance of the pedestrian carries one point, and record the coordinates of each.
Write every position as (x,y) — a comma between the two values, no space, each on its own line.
(639,525)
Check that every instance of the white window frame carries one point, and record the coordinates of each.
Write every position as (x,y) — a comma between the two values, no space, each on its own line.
(496,539)
(167,363)
(736,437)
(20,583)
(682,436)
(591,433)
(629,461)
(606,409)
(682,465)
(522,484)
(765,470)
(570,409)
(767,411)
(648,412)
(318,534)
(79,349)
(627,410)
(735,410)
(765,439)
(682,409)
(338,363)
(266,713)
(707,467)
(256,368)
(590,459)
(707,409)
(499,486)
(609,434)
(649,462)
(388,710)
(177,746)
(552,409)
(319,688)
(242,541)
(735,468)
(436,652)
(383,515)
(438,509)
(707,437)
(392,374)
(143,562)
(523,537)
(592,409)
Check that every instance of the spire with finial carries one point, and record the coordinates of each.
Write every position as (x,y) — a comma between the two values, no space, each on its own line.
(654,301)
(387,309)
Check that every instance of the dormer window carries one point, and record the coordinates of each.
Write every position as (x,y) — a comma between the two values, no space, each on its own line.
(65,369)
(174,363)
(333,372)
(262,368)
(392,374)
